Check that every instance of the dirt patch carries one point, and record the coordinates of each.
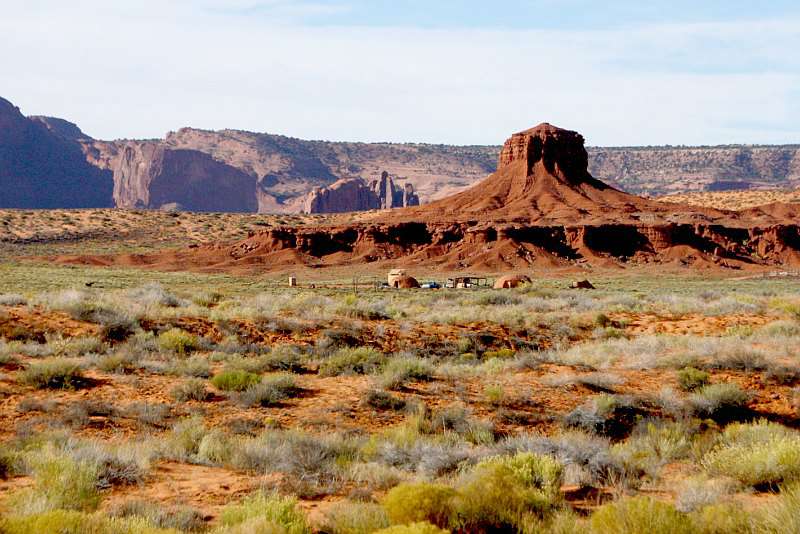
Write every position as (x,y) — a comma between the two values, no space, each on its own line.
(32,324)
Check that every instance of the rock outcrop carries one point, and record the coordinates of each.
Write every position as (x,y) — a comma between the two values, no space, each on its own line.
(149,175)
(42,166)
(541,208)
(355,194)
(342,196)
(390,196)
(64,128)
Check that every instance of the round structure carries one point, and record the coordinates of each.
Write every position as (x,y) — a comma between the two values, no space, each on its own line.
(512,280)
(405,282)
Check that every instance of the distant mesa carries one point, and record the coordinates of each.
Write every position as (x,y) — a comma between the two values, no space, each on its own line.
(51,163)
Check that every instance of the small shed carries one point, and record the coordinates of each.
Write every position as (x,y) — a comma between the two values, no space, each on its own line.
(292,281)
(466,282)
(405,282)
(394,275)
(511,280)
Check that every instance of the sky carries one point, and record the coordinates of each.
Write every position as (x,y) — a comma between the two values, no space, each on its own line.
(436,71)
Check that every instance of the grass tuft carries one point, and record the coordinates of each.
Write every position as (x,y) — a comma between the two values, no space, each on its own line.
(55,373)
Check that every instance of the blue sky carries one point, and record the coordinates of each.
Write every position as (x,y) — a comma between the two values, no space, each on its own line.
(622,73)
(517,14)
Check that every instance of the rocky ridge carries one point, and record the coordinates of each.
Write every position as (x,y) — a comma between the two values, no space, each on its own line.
(284,170)
(541,208)
(355,194)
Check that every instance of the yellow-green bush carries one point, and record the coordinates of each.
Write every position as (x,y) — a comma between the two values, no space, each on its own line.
(235,380)
(413,528)
(420,501)
(756,454)
(355,518)
(282,511)
(255,525)
(348,360)
(499,353)
(781,516)
(177,340)
(690,379)
(724,519)
(639,515)
(654,445)
(506,492)
(72,522)
(55,373)
(60,483)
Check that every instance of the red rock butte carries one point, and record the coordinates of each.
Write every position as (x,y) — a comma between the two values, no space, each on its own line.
(540,208)
(542,173)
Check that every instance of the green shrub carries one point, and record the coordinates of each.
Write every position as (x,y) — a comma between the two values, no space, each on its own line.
(192,389)
(78,346)
(398,371)
(413,528)
(215,448)
(382,400)
(507,492)
(719,399)
(726,519)
(602,320)
(234,380)
(196,366)
(355,518)
(420,501)
(654,445)
(271,507)
(495,394)
(455,419)
(256,525)
(116,363)
(61,482)
(690,379)
(182,518)
(780,516)
(500,353)
(270,391)
(561,522)
(72,522)
(184,440)
(177,340)
(347,360)
(756,454)
(637,515)
(8,462)
(56,373)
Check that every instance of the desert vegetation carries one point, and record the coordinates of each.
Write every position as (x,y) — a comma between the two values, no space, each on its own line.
(648,405)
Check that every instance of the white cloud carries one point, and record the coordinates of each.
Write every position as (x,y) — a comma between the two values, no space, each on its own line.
(148,67)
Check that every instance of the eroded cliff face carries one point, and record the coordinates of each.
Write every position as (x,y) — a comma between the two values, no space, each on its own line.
(356,195)
(287,168)
(149,175)
(43,167)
